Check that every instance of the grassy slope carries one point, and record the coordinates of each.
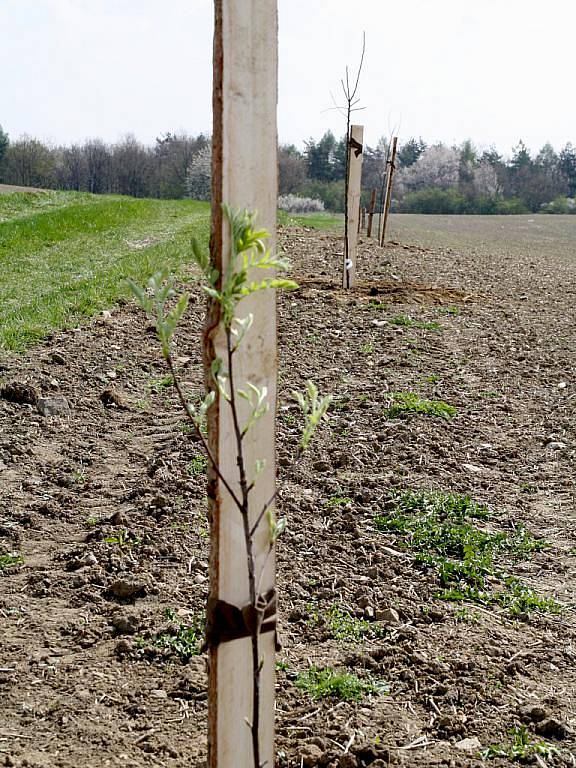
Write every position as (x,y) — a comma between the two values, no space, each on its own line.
(66,256)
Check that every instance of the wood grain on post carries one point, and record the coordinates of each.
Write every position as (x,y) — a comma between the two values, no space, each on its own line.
(355,147)
(388,197)
(244,175)
(371,212)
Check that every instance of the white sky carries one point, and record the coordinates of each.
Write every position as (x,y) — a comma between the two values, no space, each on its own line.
(491,70)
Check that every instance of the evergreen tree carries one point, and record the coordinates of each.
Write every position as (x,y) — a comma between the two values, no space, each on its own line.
(567,166)
(409,152)
(4,142)
(321,157)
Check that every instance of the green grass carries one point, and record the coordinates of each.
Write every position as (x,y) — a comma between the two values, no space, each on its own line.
(443,531)
(180,639)
(409,322)
(10,559)
(313,220)
(197,466)
(336,684)
(342,625)
(66,256)
(124,539)
(337,501)
(522,747)
(378,306)
(346,627)
(405,403)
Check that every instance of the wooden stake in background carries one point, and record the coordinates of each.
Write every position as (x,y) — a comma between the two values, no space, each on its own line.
(389,182)
(371,212)
(244,175)
(355,148)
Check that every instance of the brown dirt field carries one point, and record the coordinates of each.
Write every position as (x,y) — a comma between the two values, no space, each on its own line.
(82,680)
(6,189)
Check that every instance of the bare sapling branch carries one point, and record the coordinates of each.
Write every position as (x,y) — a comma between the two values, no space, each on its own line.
(351,102)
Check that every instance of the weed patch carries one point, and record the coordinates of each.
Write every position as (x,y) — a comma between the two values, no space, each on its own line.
(408,322)
(124,539)
(10,560)
(522,748)
(405,403)
(332,683)
(343,625)
(337,501)
(197,466)
(442,529)
(179,638)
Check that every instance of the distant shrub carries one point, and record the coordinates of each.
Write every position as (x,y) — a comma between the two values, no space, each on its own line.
(198,181)
(435,201)
(331,193)
(560,205)
(451,201)
(296,204)
(512,206)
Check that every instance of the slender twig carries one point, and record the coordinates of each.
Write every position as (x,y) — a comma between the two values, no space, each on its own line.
(272,499)
(351,101)
(250,559)
(184,403)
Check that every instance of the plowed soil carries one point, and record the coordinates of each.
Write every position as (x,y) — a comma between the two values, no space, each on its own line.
(106,506)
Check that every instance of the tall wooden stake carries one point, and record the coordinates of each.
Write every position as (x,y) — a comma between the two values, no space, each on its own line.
(388,197)
(371,212)
(244,175)
(355,148)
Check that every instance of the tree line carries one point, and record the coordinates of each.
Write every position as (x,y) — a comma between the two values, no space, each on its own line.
(127,167)
(438,178)
(433,178)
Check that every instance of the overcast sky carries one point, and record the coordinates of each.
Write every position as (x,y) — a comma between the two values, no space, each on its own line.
(494,71)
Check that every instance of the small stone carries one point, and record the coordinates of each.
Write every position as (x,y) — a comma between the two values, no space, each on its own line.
(473,468)
(471,744)
(341,459)
(369,613)
(159,693)
(534,713)
(556,445)
(88,560)
(125,624)
(387,616)
(348,761)
(319,742)
(123,648)
(322,466)
(200,578)
(552,728)
(126,588)
(119,518)
(58,358)
(111,397)
(16,392)
(53,406)
(311,755)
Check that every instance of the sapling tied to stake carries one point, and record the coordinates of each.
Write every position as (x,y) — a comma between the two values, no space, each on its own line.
(165,307)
